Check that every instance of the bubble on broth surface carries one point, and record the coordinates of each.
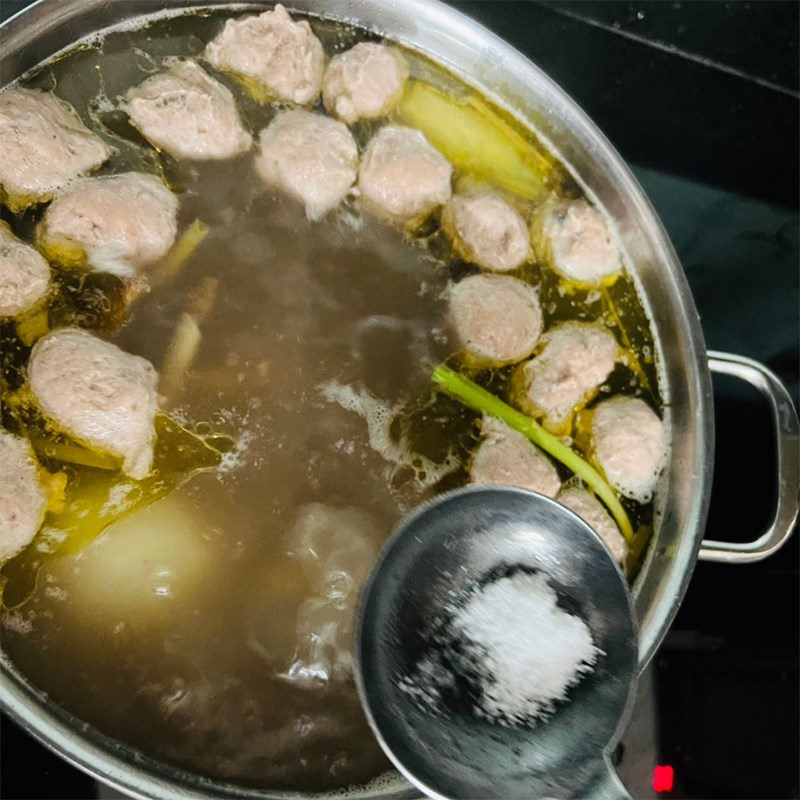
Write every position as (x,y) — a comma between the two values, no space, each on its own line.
(379,785)
(378,416)
(120,496)
(14,621)
(335,547)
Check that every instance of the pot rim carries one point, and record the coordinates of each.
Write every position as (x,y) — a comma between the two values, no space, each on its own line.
(125,768)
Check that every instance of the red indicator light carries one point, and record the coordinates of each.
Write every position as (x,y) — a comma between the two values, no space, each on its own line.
(663,778)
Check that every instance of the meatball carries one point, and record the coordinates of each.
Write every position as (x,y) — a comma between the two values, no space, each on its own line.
(487,231)
(364,82)
(98,394)
(45,146)
(496,318)
(282,56)
(189,114)
(24,275)
(504,456)
(310,157)
(575,359)
(576,242)
(22,497)
(402,177)
(118,223)
(628,442)
(593,513)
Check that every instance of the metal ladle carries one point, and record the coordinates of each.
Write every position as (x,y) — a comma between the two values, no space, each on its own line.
(442,550)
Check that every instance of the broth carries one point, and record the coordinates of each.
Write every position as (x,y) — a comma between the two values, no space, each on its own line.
(191,628)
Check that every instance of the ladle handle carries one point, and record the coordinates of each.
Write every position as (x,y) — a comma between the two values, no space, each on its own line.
(787,435)
(606,785)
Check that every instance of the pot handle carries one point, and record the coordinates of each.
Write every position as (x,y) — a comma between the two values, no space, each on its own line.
(787,434)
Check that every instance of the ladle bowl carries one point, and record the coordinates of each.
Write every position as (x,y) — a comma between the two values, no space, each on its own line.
(442,551)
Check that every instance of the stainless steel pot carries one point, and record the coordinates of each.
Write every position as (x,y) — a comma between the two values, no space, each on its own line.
(500,72)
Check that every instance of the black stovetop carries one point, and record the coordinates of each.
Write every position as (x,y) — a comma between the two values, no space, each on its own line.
(702,98)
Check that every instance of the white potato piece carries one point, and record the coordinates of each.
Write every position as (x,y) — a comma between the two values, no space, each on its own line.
(45,146)
(189,114)
(402,177)
(364,82)
(575,241)
(24,275)
(487,230)
(594,514)
(118,223)
(23,499)
(496,318)
(629,444)
(284,56)
(507,457)
(574,360)
(141,568)
(98,394)
(309,157)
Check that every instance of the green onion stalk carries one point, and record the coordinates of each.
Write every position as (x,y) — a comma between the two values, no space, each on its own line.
(477,398)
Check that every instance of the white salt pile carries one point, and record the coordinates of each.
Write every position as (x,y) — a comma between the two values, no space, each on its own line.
(514,645)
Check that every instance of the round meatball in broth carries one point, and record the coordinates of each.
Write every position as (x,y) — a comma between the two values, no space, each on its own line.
(504,456)
(44,145)
(310,157)
(593,513)
(403,178)
(189,114)
(98,394)
(24,275)
(283,57)
(575,241)
(22,497)
(628,442)
(118,223)
(497,319)
(487,231)
(576,357)
(364,82)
